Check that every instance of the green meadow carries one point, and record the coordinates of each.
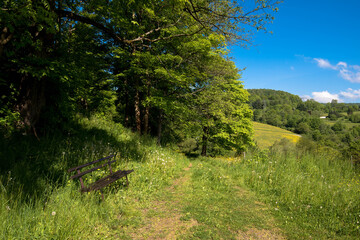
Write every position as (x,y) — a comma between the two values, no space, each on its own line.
(266,135)
(286,192)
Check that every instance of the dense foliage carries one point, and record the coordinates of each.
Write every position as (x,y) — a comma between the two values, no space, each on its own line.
(337,128)
(150,64)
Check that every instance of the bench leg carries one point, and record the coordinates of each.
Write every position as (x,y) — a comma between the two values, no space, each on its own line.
(127,181)
(102,194)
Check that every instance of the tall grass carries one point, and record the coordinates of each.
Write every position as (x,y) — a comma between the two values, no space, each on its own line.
(318,193)
(38,201)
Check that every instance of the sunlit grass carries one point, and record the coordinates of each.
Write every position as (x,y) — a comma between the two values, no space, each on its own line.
(38,201)
(266,135)
(313,196)
(316,196)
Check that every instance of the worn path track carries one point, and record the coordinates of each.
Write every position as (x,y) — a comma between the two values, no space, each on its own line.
(184,213)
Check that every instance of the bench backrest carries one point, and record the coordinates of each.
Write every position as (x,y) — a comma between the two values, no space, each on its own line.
(79,174)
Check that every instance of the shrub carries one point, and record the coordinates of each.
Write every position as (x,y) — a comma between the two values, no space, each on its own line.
(355,118)
(188,146)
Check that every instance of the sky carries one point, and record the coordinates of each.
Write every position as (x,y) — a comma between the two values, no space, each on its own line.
(314,51)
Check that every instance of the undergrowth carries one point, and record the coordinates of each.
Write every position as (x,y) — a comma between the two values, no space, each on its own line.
(38,201)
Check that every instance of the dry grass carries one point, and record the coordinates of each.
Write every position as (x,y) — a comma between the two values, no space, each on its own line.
(266,135)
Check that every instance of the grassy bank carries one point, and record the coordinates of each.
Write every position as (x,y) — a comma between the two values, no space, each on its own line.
(37,200)
(284,193)
(317,195)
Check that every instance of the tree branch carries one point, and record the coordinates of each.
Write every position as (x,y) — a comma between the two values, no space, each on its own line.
(74,16)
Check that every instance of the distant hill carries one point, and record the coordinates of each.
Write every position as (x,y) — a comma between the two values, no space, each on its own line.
(262,98)
(339,130)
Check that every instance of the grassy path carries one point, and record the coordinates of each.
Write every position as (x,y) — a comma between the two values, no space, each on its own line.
(205,202)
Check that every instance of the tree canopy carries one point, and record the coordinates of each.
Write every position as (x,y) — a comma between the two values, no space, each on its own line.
(147,63)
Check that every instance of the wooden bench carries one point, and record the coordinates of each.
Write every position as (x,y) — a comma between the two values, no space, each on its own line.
(103,182)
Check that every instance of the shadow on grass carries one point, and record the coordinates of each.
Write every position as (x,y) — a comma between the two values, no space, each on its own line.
(33,168)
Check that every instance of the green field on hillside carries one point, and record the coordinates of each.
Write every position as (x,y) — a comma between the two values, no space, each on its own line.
(346,122)
(267,135)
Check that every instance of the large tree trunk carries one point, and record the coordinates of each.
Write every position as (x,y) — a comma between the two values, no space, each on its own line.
(204,141)
(33,91)
(32,100)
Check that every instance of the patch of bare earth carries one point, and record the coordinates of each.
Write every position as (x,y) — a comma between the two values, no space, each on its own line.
(262,234)
(163,220)
(259,234)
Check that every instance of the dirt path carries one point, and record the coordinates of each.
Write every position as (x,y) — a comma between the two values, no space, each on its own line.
(167,219)
(163,220)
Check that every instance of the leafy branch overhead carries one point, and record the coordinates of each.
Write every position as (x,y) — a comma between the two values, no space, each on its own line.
(159,67)
(153,21)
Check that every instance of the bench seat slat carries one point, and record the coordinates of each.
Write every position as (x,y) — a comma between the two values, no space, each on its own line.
(87,164)
(90,170)
(107,180)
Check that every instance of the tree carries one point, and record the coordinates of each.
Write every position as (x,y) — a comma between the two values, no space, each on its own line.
(220,108)
(41,41)
(302,128)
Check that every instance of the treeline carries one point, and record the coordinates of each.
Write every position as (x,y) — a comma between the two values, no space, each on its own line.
(288,111)
(158,67)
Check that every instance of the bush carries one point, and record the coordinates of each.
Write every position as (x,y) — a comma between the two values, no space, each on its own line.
(355,118)
(338,127)
(188,146)
(302,128)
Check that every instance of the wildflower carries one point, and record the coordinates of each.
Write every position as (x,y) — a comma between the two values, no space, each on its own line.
(53,213)
(8,208)
(276,209)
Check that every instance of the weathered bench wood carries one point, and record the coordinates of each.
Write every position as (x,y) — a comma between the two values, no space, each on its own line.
(103,182)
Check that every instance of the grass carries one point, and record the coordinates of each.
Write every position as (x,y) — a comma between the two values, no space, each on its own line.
(273,194)
(346,122)
(316,196)
(37,200)
(206,202)
(266,135)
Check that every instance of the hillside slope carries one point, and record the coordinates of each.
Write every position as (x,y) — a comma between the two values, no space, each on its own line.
(266,135)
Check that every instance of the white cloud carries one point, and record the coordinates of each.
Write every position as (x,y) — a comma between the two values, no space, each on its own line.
(323,63)
(325,97)
(305,97)
(351,94)
(341,64)
(356,67)
(348,72)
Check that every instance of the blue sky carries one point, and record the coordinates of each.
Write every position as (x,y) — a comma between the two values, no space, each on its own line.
(314,51)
